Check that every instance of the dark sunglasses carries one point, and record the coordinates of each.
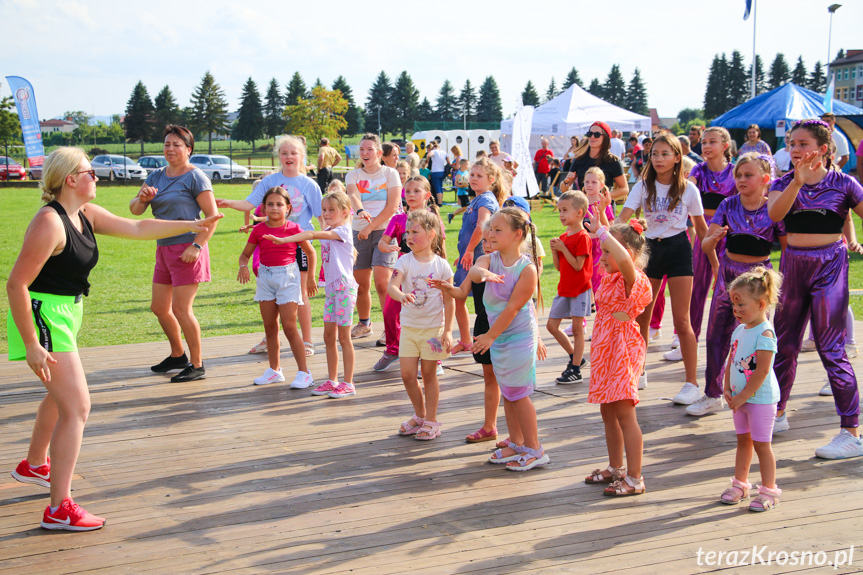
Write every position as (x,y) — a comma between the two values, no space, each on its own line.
(91,172)
(594,134)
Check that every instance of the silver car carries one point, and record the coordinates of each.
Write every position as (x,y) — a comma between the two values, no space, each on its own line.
(117,168)
(218,167)
(152,163)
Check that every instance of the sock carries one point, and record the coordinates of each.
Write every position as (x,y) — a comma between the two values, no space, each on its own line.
(34,467)
(54,509)
(366,321)
(570,359)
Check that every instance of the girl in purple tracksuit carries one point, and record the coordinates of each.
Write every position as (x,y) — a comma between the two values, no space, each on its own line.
(715,180)
(813,200)
(742,224)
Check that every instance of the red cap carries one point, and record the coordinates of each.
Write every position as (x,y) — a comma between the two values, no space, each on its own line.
(604,126)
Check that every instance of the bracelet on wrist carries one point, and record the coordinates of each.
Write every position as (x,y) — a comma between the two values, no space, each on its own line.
(197,245)
(244,266)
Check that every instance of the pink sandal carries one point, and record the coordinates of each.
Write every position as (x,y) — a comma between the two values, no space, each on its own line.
(412,425)
(766,499)
(599,475)
(738,490)
(429,430)
(481,435)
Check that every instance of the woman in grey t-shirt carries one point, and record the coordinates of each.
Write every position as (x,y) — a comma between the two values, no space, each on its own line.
(179,191)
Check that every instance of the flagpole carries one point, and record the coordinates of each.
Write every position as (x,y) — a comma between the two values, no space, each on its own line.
(754,55)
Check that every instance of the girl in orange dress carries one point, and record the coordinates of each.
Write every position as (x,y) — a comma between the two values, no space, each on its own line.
(617,351)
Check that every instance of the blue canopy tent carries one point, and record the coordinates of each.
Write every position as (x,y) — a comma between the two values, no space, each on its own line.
(789,102)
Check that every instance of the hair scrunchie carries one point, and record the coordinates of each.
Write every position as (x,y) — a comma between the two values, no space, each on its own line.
(636,225)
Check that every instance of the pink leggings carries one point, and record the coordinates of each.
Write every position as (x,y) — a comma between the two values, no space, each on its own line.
(392,325)
(757,420)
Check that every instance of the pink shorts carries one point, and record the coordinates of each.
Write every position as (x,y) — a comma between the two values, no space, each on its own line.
(756,419)
(170,269)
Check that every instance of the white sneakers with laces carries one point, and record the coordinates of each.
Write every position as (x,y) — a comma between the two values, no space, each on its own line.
(687,395)
(705,405)
(304,380)
(673,355)
(270,376)
(842,446)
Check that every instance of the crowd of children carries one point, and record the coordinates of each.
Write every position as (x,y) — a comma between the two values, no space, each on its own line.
(613,267)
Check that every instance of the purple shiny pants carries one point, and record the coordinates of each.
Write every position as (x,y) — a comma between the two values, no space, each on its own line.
(702,276)
(659,308)
(816,279)
(721,323)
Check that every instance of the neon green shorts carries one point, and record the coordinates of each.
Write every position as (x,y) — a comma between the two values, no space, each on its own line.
(57,319)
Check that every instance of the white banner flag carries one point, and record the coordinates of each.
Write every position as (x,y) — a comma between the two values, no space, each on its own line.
(524,183)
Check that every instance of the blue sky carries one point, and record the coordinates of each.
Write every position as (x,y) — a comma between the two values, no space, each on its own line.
(88,55)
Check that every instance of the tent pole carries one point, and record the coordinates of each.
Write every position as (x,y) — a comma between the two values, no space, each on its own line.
(754,55)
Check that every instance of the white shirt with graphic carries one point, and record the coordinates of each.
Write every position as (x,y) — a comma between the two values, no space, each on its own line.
(660,222)
(427,309)
(373,192)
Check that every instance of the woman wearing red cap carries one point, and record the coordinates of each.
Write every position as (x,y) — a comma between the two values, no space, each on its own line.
(597,153)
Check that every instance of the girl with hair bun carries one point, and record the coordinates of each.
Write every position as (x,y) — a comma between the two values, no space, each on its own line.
(617,351)
(813,200)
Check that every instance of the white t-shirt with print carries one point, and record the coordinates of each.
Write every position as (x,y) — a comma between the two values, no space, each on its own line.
(373,192)
(660,222)
(427,309)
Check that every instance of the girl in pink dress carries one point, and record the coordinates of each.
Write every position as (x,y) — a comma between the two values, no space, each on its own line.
(617,351)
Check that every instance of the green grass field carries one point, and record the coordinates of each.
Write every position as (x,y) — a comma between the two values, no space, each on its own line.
(117,310)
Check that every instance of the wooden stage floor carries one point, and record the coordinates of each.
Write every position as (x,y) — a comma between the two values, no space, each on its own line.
(220,476)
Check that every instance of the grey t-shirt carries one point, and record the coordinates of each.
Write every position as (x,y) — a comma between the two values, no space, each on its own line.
(176,199)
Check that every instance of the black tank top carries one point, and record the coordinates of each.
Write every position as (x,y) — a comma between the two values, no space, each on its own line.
(67,272)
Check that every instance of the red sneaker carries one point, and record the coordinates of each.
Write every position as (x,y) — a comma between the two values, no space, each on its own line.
(39,476)
(70,517)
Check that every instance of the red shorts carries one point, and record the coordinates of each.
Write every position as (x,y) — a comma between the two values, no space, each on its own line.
(170,269)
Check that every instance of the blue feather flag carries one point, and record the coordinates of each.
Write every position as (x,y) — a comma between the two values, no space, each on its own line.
(748,10)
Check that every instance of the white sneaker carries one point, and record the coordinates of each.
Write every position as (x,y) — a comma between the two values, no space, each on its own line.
(675,341)
(705,405)
(568,330)
(687,395)
(781,424)
(851,350)
(303,380)
(842,446)
(642,381)
(826,390)
(270,376)
(655,334)
(673,355)
(808,345)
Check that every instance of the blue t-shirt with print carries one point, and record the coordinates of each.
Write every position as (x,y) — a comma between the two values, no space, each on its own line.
(304,192)
(462,182)
(745,344)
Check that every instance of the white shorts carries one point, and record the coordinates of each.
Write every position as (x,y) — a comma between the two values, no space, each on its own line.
(280,283)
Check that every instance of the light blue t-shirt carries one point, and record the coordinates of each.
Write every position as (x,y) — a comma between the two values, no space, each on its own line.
(304,192)
(745,344)
(177,199)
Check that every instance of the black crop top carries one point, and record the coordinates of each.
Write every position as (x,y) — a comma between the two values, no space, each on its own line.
(746,245)
(711,200)
(67,272)
(818,221)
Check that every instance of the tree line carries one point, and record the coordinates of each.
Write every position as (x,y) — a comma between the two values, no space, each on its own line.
(614,90)
(729,82)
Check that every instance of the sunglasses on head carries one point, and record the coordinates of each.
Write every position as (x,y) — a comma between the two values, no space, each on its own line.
(594,134)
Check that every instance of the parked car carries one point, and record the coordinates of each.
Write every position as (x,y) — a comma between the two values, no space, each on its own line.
(36,172)
(218,167)
(151,163)
(118,168)
(11,170)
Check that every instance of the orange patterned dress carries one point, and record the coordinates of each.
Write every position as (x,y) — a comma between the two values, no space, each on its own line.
(616,348)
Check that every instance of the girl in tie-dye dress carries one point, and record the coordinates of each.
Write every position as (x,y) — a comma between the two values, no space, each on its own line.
(617,352)
(510,279)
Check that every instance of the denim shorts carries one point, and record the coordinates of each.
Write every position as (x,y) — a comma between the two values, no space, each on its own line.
(279,283)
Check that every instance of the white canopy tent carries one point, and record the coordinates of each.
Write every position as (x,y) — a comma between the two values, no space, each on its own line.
(571,114)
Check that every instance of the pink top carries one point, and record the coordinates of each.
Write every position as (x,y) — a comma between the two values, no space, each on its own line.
(272,254)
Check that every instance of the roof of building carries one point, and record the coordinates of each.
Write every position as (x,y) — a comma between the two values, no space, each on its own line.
(851,57)
(55,123)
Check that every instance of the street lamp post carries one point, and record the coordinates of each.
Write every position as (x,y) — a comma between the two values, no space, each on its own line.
(832,8)
(380,135)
